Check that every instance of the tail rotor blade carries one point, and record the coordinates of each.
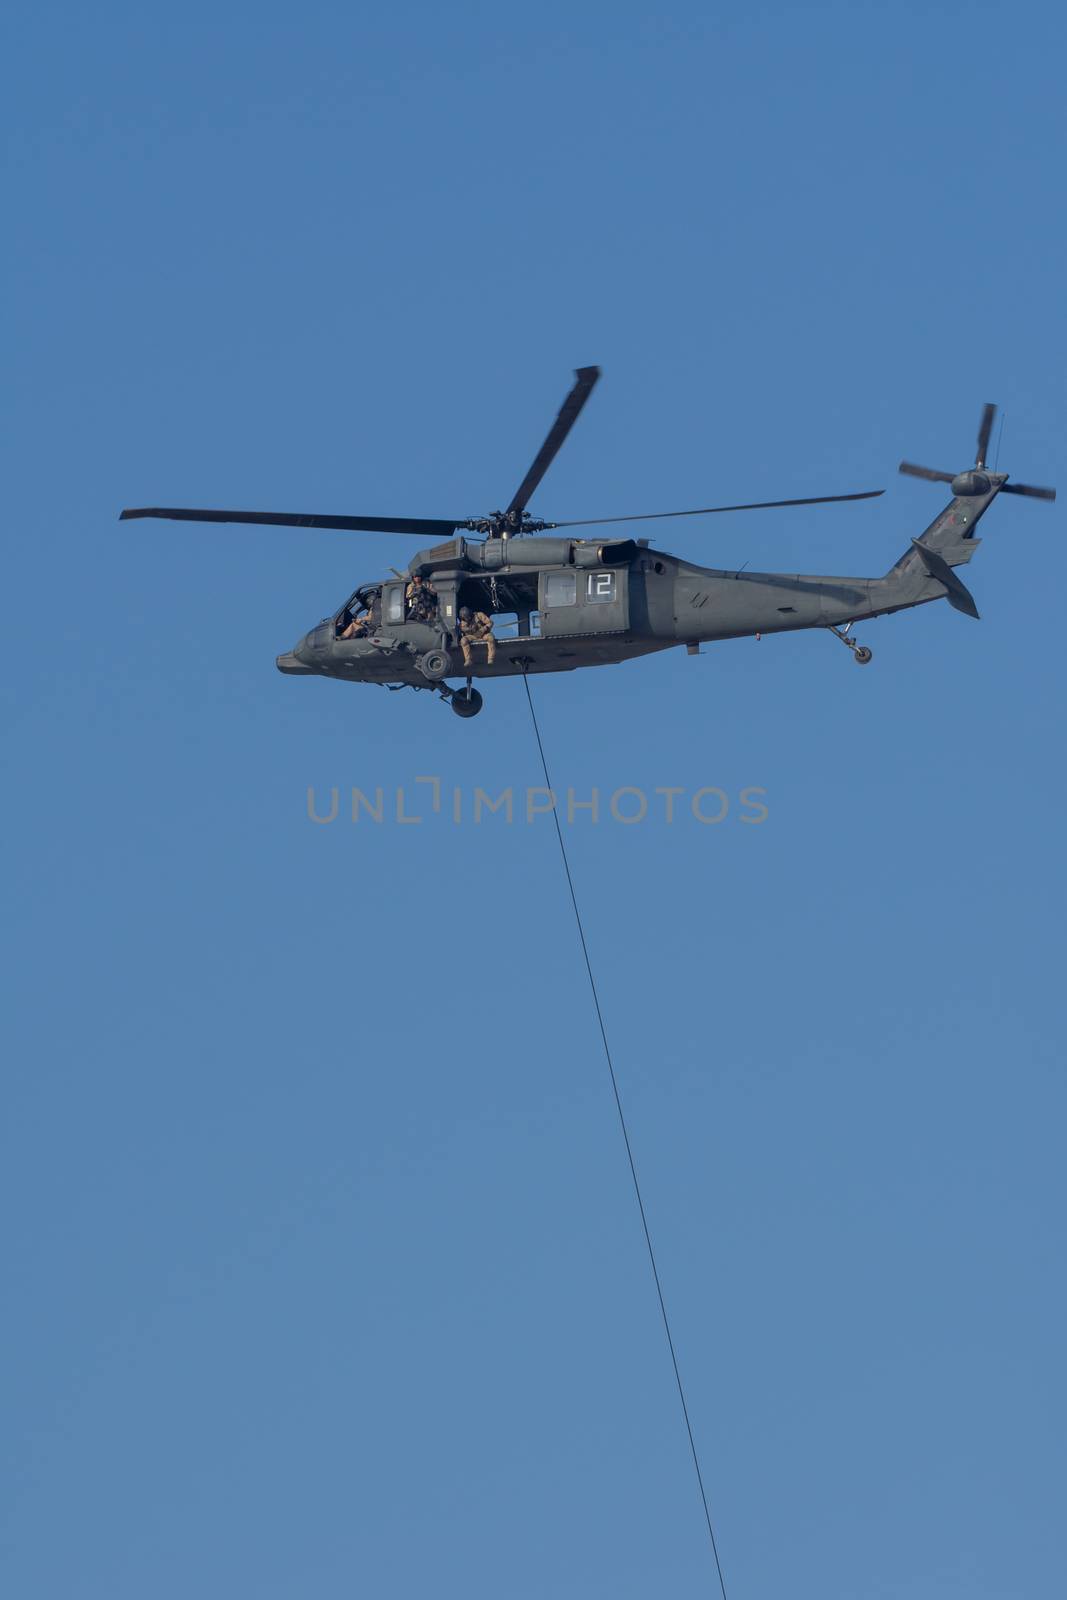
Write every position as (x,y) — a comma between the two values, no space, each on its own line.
(912,471)
(1030,490)
(985,430)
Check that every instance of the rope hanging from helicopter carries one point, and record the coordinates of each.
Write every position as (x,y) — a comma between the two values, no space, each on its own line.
(602,1027)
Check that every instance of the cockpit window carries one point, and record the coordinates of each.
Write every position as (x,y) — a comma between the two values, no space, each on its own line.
(360,614)
(560,589)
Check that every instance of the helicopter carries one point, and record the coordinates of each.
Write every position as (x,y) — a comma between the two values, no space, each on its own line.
(561,602)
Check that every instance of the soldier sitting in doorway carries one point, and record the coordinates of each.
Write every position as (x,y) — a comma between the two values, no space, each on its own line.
(421,600)
(476,628)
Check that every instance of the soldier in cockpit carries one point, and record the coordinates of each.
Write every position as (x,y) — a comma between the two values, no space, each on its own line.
(363,624)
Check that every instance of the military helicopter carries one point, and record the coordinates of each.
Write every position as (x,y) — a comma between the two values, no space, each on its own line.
(559,603)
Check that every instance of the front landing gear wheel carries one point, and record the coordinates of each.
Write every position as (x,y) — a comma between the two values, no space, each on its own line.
(861,655)
(466,702)
(435,665)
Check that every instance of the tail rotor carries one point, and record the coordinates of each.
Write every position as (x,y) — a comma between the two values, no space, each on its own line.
(977,480)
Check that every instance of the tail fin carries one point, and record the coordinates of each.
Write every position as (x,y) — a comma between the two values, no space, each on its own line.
(956,593)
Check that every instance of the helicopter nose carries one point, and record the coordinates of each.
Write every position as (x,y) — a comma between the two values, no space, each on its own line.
(298,660)
(290,663)
(306,653)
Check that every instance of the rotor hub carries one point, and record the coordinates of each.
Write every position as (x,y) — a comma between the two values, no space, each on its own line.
(506,524)
(972,482)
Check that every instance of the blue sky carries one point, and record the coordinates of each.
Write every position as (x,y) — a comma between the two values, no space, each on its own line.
(322,1269)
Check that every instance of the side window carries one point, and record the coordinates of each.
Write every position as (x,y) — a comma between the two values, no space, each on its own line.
(561,589)
(394,602)
(600,586)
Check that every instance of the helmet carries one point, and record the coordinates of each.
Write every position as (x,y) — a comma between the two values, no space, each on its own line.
(464,613)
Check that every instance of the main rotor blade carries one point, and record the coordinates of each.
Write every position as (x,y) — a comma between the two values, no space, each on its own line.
(424,527)
(710,511)
(1029,489)
(568,416)
(912,471)
(985,429)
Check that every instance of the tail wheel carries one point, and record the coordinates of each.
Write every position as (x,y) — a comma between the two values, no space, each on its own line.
(861,655)
(466,702)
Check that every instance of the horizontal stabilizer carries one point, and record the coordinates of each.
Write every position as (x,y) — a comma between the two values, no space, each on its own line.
(957,594)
